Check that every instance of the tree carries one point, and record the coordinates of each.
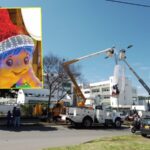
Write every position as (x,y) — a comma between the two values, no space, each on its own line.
(55,78)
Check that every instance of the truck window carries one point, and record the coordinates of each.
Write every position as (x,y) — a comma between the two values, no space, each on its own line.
(99,107)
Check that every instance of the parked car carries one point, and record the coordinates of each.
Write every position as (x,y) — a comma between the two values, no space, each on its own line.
(145,126)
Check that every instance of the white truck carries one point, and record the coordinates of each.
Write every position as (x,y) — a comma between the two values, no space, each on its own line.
(98,115)
(88,116)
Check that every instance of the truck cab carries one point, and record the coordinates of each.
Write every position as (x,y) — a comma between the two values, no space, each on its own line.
(96,115)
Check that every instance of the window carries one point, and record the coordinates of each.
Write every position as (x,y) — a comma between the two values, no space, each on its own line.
(95,90)
(106,97)
(30,94)
(105,89)
(86,92)
(37,95)
(67,86)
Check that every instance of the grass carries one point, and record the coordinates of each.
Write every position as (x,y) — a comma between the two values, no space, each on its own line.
(130,142)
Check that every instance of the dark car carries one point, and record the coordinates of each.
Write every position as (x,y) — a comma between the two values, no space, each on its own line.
(145,126)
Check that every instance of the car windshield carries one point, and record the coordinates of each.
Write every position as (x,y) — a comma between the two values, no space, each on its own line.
(146,121)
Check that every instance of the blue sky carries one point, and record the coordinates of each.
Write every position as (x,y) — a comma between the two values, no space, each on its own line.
(74,28)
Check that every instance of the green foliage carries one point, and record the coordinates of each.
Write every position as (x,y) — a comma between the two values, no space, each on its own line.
(131,142)
(26,110)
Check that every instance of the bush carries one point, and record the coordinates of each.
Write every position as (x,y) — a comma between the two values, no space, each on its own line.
(26,110)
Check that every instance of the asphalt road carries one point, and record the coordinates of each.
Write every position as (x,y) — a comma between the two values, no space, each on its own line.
(42,136)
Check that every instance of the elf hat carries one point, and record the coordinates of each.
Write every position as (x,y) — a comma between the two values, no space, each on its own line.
(11,36)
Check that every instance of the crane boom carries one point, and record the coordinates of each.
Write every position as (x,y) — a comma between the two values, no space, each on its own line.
(109,52)
(76,87)
(139,79)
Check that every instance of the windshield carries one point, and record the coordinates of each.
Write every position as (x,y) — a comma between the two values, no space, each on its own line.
(146,121)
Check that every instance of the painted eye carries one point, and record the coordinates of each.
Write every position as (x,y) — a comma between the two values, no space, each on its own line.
(9,62)
(26,60)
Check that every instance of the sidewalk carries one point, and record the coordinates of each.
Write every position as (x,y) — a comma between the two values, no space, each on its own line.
(32,122)
(24,121)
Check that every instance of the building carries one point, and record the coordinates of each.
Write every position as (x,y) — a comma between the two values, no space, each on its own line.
(102,93)
(42,95)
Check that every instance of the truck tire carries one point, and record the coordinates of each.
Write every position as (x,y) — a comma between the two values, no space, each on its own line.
(74,124)
(118,123)
(106,124)
(144,135)
(87,122)
(133,130)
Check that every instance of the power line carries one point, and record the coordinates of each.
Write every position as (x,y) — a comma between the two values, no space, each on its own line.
(129,3)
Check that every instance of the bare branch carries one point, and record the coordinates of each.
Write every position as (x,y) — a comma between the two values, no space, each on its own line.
(56,77)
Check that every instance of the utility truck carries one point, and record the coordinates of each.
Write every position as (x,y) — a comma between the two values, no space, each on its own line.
(80,114)
(96,115)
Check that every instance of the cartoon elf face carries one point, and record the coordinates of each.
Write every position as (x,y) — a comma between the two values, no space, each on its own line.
(16,65)
(16,53)
(16,68)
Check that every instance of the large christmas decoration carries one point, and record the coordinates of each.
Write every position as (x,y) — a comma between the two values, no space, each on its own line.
(16,53)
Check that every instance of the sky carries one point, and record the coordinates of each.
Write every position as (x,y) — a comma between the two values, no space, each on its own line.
(74,28)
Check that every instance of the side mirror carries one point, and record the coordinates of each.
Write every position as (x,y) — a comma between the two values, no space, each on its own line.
(99,107)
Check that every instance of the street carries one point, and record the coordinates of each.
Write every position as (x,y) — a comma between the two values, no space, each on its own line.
(36,137)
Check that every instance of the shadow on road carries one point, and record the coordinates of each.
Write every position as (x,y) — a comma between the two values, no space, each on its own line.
(139,133)
(99,128)
(39,127)
(147,137)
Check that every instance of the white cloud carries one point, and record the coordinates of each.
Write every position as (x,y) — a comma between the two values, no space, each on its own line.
(141,91)
(140,66)
(145,68)
(137,64)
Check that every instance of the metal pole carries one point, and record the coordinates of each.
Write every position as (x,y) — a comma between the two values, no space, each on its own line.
(137,76)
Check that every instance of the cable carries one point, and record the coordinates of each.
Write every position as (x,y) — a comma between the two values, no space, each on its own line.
(129,3)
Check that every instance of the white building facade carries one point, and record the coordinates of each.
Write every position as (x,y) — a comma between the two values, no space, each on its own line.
(103,92)
(42,95)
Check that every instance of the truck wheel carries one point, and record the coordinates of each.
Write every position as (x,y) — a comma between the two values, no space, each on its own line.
(106,124)
(87,122)
(73,124)
(117,123)
(133,130)
(144,135)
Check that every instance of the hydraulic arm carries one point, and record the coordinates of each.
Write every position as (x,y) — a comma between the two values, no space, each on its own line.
(123,57)
(109,52)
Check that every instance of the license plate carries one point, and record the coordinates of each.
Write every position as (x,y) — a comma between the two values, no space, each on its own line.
(146,127)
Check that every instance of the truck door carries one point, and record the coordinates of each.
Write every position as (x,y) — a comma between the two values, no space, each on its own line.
(99,114)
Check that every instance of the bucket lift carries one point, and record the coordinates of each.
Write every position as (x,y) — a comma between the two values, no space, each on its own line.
(109,53)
